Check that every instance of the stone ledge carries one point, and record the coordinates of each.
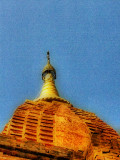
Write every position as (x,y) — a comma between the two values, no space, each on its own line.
(33,150)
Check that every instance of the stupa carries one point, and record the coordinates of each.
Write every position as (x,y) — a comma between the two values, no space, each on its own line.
(50,127)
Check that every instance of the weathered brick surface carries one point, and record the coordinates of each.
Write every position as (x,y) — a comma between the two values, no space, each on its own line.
(105,140)
(40,127)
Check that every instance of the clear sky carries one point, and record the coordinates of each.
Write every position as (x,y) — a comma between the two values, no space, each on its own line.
(83,37)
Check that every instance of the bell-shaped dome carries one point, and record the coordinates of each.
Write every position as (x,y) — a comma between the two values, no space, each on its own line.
(49,123)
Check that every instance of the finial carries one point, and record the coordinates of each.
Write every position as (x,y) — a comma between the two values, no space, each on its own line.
(48,68)
(48,56)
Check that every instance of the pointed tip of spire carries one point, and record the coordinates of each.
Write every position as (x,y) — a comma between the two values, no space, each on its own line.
(48,68)
(48,56)
(48,53)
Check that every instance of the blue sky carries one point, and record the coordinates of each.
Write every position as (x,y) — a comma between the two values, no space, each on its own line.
(83,38)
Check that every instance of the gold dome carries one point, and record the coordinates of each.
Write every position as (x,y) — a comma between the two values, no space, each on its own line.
(49,91)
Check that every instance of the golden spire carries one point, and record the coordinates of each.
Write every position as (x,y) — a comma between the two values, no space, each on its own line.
(49,91)
(48,76)
(48,68)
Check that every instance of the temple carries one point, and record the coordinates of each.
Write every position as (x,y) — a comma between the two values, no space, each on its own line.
(51,128)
